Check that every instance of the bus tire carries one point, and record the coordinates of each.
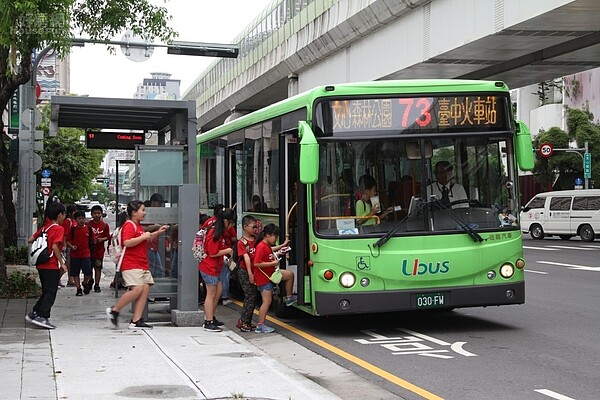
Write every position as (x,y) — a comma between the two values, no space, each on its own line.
(565,237)
(536,232)
(587,233)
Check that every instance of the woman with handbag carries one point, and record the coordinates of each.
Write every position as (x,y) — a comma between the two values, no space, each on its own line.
(267,273)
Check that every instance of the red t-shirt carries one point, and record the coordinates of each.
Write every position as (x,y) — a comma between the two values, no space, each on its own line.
(241,248)
(135,257)
(263,253)
(80,236)
(55,234)
(212,265)
(100,230)
(230,233)
(67,224)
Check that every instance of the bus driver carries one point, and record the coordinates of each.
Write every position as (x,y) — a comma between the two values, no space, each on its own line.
(446,191)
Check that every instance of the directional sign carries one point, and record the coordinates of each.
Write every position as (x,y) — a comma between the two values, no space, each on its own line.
(546,150)
(587,165)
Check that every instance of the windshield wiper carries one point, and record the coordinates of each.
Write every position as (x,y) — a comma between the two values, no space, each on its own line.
(383,240)
(447,211)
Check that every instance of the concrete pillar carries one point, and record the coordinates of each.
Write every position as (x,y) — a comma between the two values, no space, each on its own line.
(292,85)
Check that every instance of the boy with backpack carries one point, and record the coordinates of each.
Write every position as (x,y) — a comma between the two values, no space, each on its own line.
(79,242)
(101,234)
(245,257)
(49,270)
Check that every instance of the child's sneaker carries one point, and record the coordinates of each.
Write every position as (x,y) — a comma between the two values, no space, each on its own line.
(42,322)
(289,300)
(31,316)
(262,328)
(227,302)
(247,328)
(79,292)
(211,327)
(113,318)
(139,324)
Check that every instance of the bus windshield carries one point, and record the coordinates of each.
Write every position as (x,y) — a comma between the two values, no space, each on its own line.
(415,185)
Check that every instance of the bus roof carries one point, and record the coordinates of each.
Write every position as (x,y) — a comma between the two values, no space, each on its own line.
(305,99)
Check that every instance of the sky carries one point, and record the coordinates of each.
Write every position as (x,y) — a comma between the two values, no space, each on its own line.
(96,72)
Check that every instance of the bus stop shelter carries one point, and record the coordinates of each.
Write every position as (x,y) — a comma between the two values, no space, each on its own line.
(172,119)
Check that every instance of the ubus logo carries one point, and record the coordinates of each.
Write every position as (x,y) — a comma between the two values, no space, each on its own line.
(422,268)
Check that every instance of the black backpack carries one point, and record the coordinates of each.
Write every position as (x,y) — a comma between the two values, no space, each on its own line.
(90,237)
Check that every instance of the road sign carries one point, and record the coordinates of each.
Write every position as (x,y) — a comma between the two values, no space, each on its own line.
(587,165)
(46,182)
(46,173)
(46,191)
(546,150)
(578,181)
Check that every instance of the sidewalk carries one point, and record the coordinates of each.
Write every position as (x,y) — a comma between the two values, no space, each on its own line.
(84,359)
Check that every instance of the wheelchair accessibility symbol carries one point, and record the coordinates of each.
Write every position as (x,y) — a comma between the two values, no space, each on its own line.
(362,263)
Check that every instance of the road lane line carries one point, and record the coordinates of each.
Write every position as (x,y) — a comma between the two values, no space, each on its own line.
(552,394)
(536,272)
(569,247)
(539,248)
(571,266)
(352,358)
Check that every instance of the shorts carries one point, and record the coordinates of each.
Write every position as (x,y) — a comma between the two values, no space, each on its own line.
(97,263)
(137,277)
(268,287)
(79,265)
(209,279)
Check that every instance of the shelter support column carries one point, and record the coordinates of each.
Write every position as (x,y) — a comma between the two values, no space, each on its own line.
(292,85)
(187,313)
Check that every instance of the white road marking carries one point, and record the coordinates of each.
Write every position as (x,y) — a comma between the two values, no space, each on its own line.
(569,247)
(571,266)
(552,394)
(591,246)
(539,248)
(536,272)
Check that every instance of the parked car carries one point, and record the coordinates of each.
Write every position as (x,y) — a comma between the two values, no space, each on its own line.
(565,213)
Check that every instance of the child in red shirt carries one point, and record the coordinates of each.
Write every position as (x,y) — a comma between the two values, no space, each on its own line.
(266,259)
(101,234)
(134,267)
(79,241)
(245,250)
(210,267)
(49,272)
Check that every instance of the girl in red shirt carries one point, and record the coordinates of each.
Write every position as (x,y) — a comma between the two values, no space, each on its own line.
(134,266)
(266,259)
(210,267)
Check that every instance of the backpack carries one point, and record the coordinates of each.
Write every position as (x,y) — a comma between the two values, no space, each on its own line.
(236,257)
(116,248)
(39,252)
(90,237)
(199,242)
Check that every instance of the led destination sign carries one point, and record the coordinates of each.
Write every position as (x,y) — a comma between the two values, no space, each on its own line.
(113,140)
(420,114)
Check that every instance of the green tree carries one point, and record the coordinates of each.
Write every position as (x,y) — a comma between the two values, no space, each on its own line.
(101,194)
(73,165)
(27,25)
(568,165)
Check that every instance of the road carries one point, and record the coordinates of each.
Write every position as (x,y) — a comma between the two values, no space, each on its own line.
(548,348)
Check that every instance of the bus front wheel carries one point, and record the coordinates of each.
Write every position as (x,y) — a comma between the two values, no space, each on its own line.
(587,233)
(536,232)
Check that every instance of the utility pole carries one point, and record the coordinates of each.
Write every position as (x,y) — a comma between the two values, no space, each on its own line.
(29,161)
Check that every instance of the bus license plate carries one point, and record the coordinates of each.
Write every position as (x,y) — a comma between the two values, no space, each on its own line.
(432,300)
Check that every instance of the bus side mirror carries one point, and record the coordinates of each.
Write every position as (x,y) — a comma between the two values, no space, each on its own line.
(524,148)
(309,154)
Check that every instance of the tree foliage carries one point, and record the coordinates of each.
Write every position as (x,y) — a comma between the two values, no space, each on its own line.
(30,25)
(563,167)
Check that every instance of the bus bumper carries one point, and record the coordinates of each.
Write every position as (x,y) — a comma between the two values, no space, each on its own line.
(404,300)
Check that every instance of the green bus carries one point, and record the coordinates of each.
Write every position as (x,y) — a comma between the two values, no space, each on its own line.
(301,162)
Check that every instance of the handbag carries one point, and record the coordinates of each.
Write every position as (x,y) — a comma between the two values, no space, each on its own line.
(275,276)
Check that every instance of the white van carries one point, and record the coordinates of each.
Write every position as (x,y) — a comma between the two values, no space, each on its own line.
(565,213)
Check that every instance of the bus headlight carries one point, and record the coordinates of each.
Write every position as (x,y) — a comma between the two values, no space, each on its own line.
(507,270)
(347,279)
